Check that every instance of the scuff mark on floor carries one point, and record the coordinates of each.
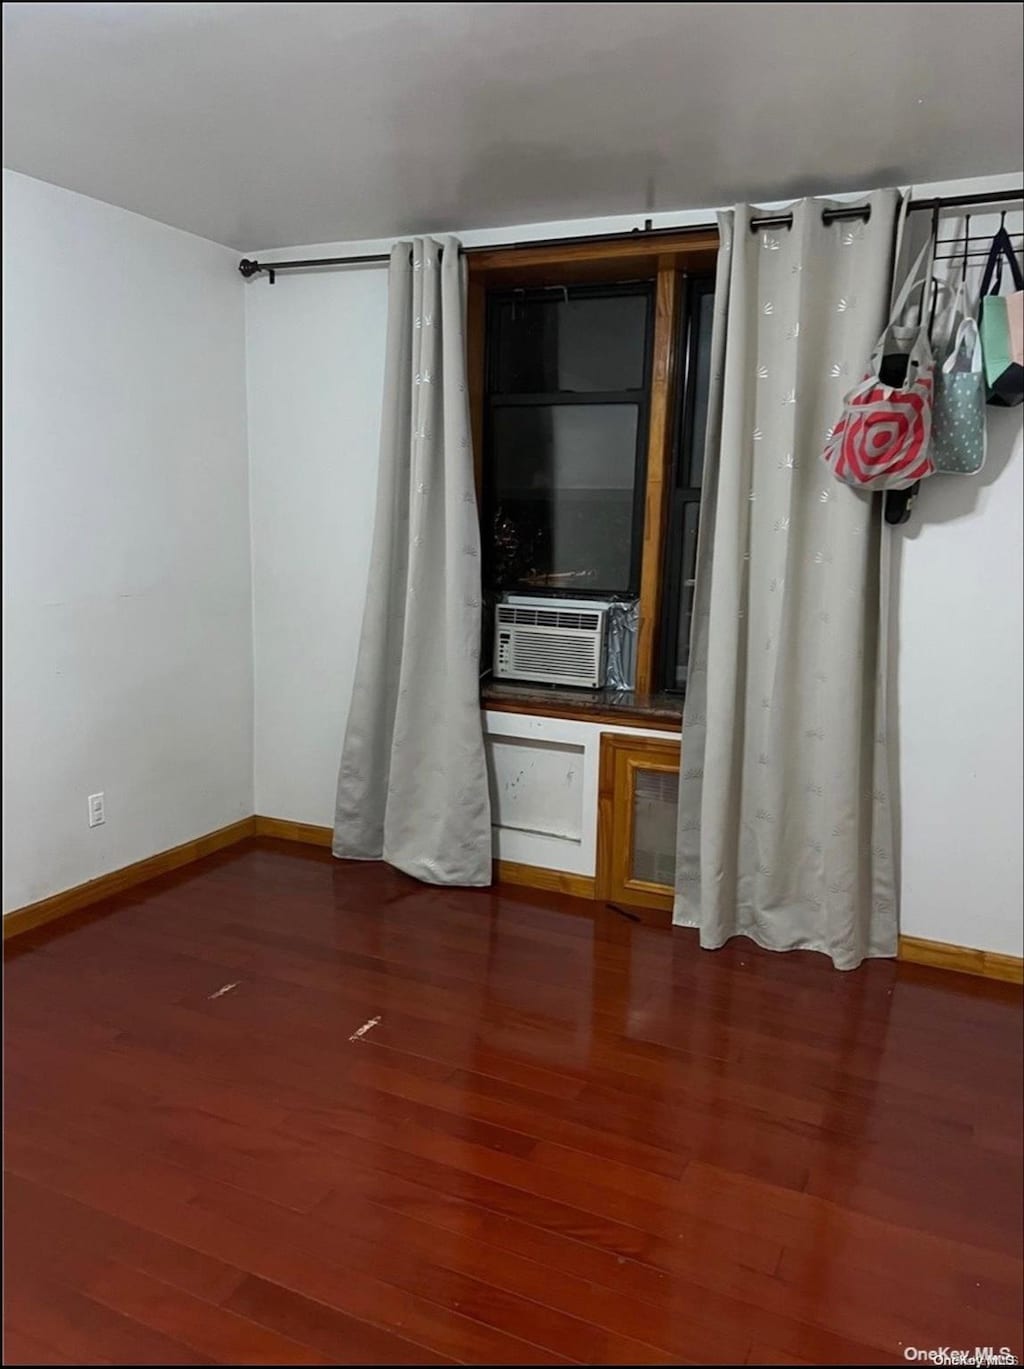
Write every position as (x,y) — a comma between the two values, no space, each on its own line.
(624,912)
(367,1026)
(226,988)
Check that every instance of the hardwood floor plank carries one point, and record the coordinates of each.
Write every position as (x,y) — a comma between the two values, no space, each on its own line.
(83,1327)
(340,1237)
(768,1354)
(798,1221)
(566,1137)
(134,1190)
(435,1157)
(575,1339)
(34,1213)
(375,1222)
(22,1349)
(214,1331)
(345,1339)
(550,1285)
(206,1145)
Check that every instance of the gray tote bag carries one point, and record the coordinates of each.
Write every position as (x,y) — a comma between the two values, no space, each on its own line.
(958,416)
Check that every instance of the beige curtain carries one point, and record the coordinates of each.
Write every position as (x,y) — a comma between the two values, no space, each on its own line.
(785,828)
(412,787)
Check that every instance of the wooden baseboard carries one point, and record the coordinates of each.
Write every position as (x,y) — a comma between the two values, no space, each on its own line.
(305,832)
(965,959)
(916,950)
(505,871)
(536,877)
(117,881)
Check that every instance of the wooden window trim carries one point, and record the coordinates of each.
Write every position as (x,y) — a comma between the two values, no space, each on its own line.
(628,258)
(667,330)
(663,260)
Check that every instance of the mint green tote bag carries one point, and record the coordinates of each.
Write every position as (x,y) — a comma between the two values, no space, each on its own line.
(958,414)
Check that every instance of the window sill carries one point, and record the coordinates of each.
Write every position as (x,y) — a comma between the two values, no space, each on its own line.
(623,708)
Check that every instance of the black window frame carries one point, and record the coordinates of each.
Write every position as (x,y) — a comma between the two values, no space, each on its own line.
(697,288)
(640,398)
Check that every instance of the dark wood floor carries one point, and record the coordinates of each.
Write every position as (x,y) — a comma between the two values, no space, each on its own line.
(567,1137)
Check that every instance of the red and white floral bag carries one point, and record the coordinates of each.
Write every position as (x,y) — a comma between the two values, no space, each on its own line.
(883,439)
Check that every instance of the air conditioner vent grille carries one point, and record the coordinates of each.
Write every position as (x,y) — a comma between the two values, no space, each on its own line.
(552,655)
(573,619)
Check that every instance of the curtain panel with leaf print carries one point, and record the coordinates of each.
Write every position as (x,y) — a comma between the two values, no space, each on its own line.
(785,823)
(412,786)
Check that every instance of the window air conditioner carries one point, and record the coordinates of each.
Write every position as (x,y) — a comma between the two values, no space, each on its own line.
(551,641)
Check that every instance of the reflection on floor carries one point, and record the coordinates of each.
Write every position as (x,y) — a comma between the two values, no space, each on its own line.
(277,1109)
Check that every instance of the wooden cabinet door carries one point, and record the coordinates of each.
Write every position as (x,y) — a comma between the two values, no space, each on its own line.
(637,806)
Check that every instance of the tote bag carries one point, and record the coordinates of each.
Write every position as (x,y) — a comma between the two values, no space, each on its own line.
(958,417)
(1002,327)
(883,438)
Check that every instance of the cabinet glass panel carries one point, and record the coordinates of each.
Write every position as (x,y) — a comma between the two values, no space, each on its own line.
(655,804)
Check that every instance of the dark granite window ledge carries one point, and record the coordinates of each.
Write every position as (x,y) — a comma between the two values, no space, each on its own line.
(662,711)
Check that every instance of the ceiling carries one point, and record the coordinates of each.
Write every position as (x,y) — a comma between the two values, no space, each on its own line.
(266,125)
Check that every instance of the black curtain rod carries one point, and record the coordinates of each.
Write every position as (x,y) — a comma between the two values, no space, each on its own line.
(248,266)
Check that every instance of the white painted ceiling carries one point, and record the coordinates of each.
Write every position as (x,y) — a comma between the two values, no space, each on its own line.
(263,125)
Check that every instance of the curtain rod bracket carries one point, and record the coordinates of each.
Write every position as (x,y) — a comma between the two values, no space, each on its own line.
(249,267)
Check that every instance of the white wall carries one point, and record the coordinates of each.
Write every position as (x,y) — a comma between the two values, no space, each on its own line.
(127,609)
(960,701)
(956,680)
(315,375)
(315,355)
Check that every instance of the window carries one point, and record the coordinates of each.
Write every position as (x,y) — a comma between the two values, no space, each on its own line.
(687,481)
(588,372)
(565,438)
